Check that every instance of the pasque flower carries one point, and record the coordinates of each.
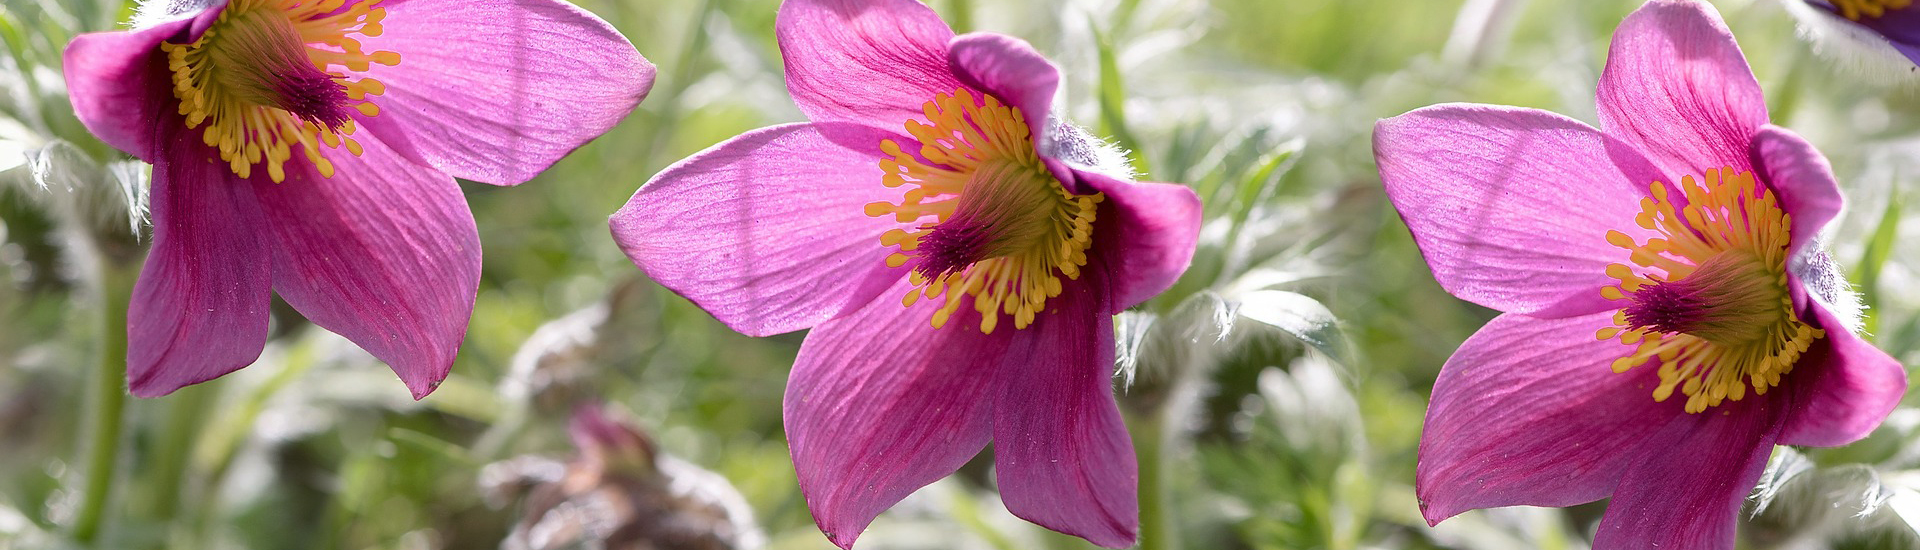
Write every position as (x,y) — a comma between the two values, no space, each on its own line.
(1879,37)
(308,147)
(956,251)
(1668,316)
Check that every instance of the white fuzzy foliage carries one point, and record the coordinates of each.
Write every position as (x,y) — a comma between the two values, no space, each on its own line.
(1854,49)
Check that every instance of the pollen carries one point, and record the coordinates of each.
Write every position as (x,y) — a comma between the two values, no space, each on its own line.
(270,77)
(1708,300)
(1855,9)
(995,224)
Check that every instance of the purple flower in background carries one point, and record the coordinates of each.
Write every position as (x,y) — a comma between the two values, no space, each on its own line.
(1877,27)
(1668,314)
(957,252)
(309,148)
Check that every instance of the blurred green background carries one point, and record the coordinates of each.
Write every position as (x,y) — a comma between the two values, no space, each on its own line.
(1276,392)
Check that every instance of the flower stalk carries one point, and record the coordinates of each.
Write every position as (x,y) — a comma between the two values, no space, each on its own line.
(106,395)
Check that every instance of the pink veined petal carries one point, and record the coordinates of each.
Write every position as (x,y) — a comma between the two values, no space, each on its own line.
(1843,388)
(121,89)
(1677,90)
(872,62)
(1529,411)
(768,231)
(384,253)
(497,90)
(200,308)
(1511,206)
(1145,233)
(1686,492)
(1800,175)
(1062,456)
(880,403)
(1011,70)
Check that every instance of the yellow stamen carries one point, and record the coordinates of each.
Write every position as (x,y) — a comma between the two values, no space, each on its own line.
(998,225)
(1855,9)
(1717,316)
(235,80)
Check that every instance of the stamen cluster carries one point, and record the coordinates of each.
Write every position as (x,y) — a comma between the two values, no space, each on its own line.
(270,75)
(1855,9)
(1002,228)
(1719,317)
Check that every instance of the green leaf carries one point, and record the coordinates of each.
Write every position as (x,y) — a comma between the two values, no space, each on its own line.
(1299,315)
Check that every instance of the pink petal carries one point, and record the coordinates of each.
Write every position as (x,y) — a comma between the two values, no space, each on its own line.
(1528,411)
(200,309)
(384,253)
(1843,387)
(1145,233)
(768,231)
(120,87)
(1011,70)
(1677,90)
(497,90)
(1062,456)
(1802,178)
(1686,490)
(867,62)
(1511,206)
(880,403)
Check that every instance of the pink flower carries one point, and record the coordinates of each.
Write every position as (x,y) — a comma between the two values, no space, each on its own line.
(957,252)
(309,148)
(1668,315)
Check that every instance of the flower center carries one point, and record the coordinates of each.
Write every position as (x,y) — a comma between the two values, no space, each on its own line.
(271,75)
(1855,9)
(998,226)
(1717,316)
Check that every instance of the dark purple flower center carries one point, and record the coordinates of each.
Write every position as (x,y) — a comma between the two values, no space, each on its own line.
(1710,302)
(993,221)
(270,77)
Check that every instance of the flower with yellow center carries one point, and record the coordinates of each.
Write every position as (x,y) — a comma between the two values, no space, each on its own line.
(1002,229)
(1717,316)
(270,76)
(295,155)
(1856,9)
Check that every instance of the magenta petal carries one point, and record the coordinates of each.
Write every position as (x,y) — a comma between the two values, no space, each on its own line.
(1062,456)
(1011,70)
(1528,411)
(1677,90)
(868,62)
(1511,206)
(768,231)
(200,309)
(1802,178)
(880,403)
(384,253)
(1843,387)
(1686,490)
(1145,233)
(120,87)
(497,90)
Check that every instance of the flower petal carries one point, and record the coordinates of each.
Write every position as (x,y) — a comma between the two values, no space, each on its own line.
(1511,206)
(1677,90)
(1802,178)
(498,90)
(870,62)
(121,89)
(1145,234)
(1843,388)
(1062,455)
(384,253)
(200,308)
(768,231)
(880,403)
(1528,411)
(1011,70)
(1686,491)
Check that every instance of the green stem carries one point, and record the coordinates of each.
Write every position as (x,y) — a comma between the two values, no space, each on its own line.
(107,398)
(1157,531)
